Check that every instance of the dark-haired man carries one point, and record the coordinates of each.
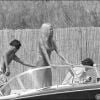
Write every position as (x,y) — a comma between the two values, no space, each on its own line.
(6,60)
(11,55)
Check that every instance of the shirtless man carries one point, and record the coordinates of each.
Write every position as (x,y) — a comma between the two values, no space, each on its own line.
(9,56)
(5,62)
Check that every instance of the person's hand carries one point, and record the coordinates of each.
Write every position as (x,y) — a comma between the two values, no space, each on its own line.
(53,66)
(88,79)
(68,63)
(7,73)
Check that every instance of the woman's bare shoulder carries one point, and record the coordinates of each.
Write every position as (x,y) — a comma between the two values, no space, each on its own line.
(41,42)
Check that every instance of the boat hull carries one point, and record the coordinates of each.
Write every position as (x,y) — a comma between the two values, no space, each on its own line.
(87,92)
(86,95)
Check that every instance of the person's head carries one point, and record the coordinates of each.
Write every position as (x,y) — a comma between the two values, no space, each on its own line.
(87,61)
(47,30)
(15,43)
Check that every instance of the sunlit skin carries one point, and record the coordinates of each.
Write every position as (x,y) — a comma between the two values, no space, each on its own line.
(8,57)
(47,43)
(46,46)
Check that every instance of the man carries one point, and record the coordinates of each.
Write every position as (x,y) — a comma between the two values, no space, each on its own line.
(6,59)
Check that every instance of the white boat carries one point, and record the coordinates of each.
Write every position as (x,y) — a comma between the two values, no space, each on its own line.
(59,91)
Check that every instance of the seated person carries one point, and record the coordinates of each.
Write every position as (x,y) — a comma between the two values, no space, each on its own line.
(89,75)
(84,77)
(82,74)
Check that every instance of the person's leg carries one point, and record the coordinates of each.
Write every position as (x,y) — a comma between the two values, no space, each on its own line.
(7,89)
(36,81)
(67,79)
(43,78)
(38,75)
(47,77)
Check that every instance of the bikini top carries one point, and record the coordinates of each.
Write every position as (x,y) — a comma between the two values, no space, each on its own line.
(50,46)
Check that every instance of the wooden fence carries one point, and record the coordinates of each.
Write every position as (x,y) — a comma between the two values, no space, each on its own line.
(74,43)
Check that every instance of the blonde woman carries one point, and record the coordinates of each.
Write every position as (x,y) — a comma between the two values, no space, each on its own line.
(43,78)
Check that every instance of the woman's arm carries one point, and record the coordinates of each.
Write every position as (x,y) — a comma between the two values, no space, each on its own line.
(63,58)
(60,54)
(17,59)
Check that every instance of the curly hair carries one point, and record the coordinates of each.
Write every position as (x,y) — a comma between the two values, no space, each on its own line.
(88,62)
(15,43)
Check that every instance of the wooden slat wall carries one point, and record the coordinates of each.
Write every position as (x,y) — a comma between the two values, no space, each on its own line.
(74,43)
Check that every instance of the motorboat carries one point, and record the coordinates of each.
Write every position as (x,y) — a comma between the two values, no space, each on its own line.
(74,90)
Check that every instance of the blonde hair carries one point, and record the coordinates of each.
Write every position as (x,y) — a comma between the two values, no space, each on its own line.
(45,28)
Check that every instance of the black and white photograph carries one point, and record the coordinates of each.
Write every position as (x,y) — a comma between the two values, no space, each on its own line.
(49,50)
